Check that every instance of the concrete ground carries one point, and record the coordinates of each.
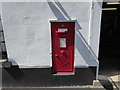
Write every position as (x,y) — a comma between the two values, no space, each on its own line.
(107,82)
(108,79)
(109,76)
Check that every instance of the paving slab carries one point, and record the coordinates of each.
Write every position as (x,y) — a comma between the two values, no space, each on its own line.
(116,80)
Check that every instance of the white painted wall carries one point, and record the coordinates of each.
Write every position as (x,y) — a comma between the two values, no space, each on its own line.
(95,27)
(27,31)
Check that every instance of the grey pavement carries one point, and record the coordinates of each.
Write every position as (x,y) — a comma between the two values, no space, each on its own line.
(104,82)
(108,79)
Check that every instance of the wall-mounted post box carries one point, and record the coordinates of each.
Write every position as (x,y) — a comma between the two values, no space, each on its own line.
(63,34)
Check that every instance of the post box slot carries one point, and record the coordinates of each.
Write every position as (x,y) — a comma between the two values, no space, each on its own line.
(62,30)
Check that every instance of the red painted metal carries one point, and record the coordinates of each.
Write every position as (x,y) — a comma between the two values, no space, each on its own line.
(62,57)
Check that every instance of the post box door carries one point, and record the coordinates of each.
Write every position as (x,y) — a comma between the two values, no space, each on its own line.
(62,47)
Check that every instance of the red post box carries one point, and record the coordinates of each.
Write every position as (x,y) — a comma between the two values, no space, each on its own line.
(63,34)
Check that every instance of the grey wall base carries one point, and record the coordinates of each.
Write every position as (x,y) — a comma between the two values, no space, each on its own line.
(42,77)
(7,64)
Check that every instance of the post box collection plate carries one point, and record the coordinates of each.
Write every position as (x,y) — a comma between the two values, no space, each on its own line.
(62,34)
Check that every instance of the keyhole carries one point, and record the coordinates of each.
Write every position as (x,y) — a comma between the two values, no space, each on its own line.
(62,25)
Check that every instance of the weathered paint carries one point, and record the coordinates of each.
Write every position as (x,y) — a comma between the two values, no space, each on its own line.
(63,36)
(27,31)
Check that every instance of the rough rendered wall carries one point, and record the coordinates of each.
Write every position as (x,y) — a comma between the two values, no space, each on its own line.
(95,27)
(27,31)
